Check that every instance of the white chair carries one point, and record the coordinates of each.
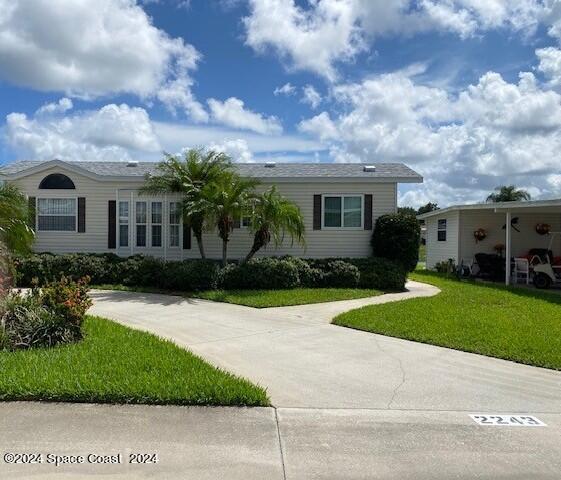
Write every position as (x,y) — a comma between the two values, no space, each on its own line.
(521,270)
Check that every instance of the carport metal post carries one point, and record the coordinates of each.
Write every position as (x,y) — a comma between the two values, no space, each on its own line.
(508,248)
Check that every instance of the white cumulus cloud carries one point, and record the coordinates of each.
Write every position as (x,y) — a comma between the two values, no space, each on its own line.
(90,49)
(110,133)
(232,113)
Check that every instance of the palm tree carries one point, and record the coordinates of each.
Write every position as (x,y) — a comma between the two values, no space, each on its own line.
(272,217)
(16,236)
(222,202)
(188,177)
(508,193)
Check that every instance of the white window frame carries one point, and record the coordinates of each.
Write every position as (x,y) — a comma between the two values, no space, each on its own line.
(342,197)
(439,229)
(161,224)
(37,214)
(137,224)
(168,240)
(128,223)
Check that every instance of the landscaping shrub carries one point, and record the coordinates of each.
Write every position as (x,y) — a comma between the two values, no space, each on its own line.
(381,274)
(308,276)
(397,237)
(340,274)
(44,317)
(261,274)
(191,275)
(46,267)
(194,275)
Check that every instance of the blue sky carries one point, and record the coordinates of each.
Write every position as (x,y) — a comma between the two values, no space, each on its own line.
(464,91)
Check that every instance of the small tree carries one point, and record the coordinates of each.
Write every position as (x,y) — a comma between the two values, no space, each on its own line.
(429,207)
(221,202)
(271,218)
(188,177)
(397,237)
(508,193)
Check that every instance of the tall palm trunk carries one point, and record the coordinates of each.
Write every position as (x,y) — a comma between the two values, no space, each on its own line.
(199,238)
(197,223)
(224,252)
(224,228)
(261,238)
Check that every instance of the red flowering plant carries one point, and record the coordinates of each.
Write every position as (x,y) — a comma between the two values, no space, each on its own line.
(69,300)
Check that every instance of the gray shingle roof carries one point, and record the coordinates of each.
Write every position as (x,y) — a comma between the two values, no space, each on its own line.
(396,171)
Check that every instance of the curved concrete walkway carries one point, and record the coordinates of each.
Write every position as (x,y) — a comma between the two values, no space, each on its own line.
(304,361)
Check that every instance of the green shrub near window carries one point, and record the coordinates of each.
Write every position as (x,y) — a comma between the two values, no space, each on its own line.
(262,274)
(190,275)
(397,237)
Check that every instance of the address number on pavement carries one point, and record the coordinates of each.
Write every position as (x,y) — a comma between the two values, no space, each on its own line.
(508,420)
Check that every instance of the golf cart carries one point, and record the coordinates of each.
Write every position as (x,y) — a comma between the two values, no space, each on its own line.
(545,272)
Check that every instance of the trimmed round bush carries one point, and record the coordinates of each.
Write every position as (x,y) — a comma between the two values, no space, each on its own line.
(261,274)
(397,237)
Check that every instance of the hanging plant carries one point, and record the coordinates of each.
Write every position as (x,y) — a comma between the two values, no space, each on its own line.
(543,228)
(480,234)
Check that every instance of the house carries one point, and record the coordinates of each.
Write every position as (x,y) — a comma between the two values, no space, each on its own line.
(460,232)
(96,207)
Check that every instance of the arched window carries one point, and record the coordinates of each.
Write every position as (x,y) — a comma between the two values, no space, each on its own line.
(57,181)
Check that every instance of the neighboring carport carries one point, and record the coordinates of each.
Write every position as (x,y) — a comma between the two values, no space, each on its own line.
(461,232)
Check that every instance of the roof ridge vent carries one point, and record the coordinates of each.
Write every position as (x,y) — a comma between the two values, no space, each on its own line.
(369,168)
(132,163)
(270,164)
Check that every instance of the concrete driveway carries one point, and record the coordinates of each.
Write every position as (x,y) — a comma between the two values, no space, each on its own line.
(303,361)
(349,405)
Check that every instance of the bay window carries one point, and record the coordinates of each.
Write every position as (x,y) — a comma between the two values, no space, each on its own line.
(174,221)
(56,214)
(123,224)
(156,224)
(141,219)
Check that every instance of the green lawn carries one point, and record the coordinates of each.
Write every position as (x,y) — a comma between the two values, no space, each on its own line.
(264,298)
(282,298)
(115,364)
(511,323)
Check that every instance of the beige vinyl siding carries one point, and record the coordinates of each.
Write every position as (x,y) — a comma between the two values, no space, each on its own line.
(442,251)
(320,243)
(493,222)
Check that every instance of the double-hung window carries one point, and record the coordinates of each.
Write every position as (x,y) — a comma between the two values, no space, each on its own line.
(342,211)
(174,221)
(56,214)
(123,224)
(441,230)
(156,224)
(141,218)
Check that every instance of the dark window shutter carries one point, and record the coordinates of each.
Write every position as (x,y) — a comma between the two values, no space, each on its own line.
(237,222)
(368,212)
(317,212)
(112,224)
(81,214)
(186,237)
(31,202)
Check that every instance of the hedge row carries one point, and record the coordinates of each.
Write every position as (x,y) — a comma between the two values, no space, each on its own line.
(265,273)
